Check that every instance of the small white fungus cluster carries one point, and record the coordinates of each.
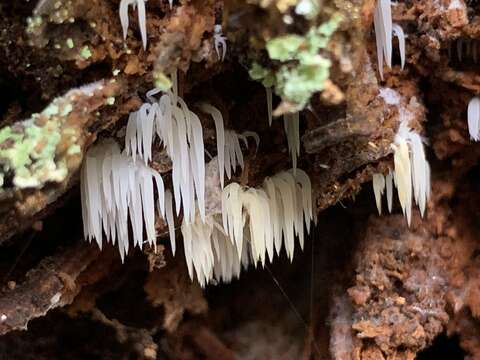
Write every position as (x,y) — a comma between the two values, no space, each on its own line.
(411,175)
(291,123)
(228,144)
(219,40)
(384,32)
(257,223)
(142,17)
(114,189)
(180,131)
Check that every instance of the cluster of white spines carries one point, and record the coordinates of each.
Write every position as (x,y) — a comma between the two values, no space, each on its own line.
(209,253)
(233,150)
(384,31)
(411,175)
(114,189)
(228,144)
(142,17)
(180,130)
(256,223)
(473,114)
(275,212)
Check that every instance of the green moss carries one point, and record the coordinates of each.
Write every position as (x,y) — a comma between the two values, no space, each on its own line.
(303,70)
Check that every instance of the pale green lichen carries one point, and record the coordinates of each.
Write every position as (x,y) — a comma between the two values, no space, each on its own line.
(74,149)
(70,43)
(303,70)
(28,150)
(162,81)
(86,53)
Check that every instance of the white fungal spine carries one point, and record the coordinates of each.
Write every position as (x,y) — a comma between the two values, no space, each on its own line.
(114,189)
(473,114)
(142,21)
(411,175)
(398,32)
(384,32)
(219,40)
(268,91)
(228,144)
(291,124)
(378,182)
(382,20)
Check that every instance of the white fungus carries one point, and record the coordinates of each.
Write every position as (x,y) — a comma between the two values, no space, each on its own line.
(398,32)
(142,20)
(378,182)
(382,20)
(115,189)
(180,131)
(291,124)
(473,114)
(411,175)
(219,40)
(256,224)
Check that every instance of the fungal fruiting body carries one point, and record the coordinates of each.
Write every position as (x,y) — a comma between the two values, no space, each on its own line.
(473,114)
(209,253)
(382,20)
(268,91)
(281,206)
(411,175)
(384,32)
(291,123)
(219,40)
(256,224)
(180,131)
(233,150)
(115,189)
(142,20)
(378,182)
(126,178)
(398,32)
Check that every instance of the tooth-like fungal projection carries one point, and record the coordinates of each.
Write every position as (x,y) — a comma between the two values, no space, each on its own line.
(382,20)
(142,20)
(473,113)
(291,124)
(378,182)
(219,41)
(220,131)
(398,32)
